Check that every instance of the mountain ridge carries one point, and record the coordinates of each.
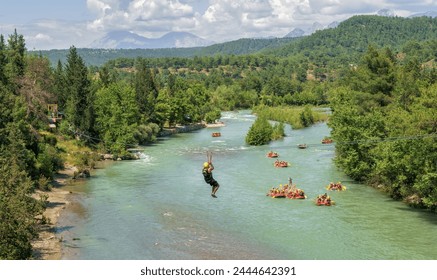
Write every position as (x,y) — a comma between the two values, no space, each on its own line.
(350,38)
(121,39)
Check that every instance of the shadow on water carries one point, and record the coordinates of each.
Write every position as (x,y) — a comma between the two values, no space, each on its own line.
(63,229)
(54,204)
(422,214)
(164,139)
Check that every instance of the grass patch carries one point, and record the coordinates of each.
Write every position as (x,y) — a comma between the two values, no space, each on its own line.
(297,117)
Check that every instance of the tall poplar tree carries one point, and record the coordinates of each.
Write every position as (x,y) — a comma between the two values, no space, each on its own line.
(146,91)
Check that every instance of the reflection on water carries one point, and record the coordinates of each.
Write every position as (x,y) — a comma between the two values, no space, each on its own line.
(159,207)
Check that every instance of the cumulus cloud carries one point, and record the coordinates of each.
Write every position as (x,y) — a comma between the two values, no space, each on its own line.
(52,34)
(98,7)
(222,20)
(141,16)
(217,20)
(144,10)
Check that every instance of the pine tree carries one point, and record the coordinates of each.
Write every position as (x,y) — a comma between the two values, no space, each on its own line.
(16,55)
(79,108)
(3,60)
(59,87)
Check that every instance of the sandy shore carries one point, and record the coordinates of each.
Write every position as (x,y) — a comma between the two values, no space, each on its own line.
(48,246)
(213,125)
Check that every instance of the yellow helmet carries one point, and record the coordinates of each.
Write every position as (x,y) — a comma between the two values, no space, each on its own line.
(205,164)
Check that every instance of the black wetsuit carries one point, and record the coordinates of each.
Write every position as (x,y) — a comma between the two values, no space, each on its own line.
(208,177)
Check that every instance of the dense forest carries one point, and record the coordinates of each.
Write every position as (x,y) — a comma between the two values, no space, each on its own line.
(98,57)
(385,124)
(379,82)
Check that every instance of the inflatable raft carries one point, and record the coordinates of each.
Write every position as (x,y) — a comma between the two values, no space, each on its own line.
(272,155)
(324,200)
(281,164)
(335,187)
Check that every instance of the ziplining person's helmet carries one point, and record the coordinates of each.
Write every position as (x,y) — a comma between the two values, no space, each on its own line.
(205,164)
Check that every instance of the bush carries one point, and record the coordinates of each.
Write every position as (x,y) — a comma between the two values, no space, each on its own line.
(297,117)
(49,161)
(278,131)
(147,133)
(306,117)
(50,139)
(212,116)
(260,133)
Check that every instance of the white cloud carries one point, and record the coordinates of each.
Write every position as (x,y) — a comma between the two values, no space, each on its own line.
(217,20)
(222,20)
(53,34)
(156,9)
(98,7)
(43,37)
(140,15)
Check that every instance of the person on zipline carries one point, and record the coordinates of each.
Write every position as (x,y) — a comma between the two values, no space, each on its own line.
(208,167)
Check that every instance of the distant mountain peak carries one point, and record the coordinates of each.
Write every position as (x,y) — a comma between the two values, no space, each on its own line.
(295,33)
(333,24)
(122,39)
(432,14)
(316,26)
(298,32)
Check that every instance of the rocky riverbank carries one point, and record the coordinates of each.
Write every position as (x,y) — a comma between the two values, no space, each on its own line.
(48,246)
(180,129)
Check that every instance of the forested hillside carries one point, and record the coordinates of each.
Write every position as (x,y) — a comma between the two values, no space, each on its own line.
(98,57)
(330,47)
(350,40)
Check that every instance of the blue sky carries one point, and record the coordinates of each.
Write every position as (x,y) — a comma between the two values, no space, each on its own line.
(54,24)
(24,11)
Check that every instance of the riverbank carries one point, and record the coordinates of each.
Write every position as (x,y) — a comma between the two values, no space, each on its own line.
(180,129)
(48,246)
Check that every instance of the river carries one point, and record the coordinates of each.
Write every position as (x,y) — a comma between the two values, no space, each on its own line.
(159,207)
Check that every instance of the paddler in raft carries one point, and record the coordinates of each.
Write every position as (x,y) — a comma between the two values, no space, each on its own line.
(324,199)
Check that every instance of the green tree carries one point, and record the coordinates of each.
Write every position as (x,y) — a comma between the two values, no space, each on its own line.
(260,133)
(18,225)
(3,60)
(60,87)
(306,117)
(163,107)
(80,100)
(146,91)
(16,55)
(278,131)
(18,210)
(117,116)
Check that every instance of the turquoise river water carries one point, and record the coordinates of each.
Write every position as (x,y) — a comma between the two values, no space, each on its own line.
(159,207)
